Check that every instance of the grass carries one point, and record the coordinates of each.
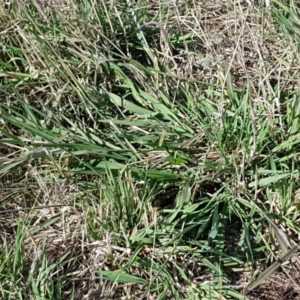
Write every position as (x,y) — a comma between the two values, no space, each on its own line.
(149,150)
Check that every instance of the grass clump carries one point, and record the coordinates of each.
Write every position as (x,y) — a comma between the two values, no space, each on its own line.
(148,150)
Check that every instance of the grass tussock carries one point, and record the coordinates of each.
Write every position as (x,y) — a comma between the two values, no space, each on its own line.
(149,150)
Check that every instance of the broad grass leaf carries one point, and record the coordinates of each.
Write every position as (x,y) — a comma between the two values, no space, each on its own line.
(117,100)
(140,239)
(6,167)
(215,224)
(269,180)
(121,277)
